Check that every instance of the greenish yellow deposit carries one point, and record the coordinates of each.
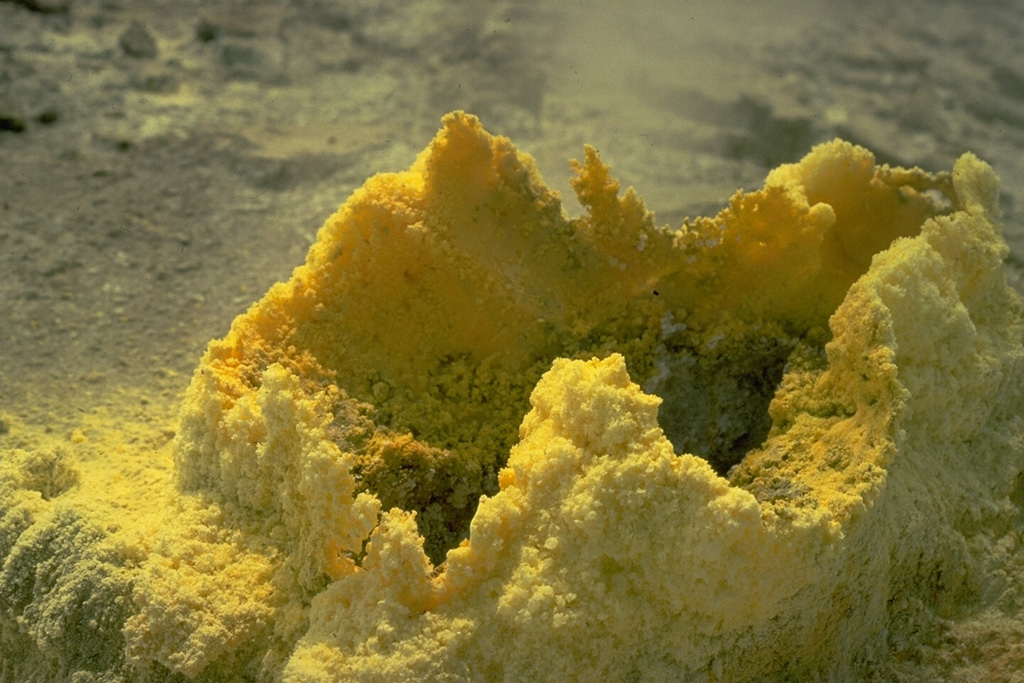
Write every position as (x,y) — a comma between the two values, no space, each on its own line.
(474,439)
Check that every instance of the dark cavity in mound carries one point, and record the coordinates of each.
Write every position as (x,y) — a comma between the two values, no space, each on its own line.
(716,401)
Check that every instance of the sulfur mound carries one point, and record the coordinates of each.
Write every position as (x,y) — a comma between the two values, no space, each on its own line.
(434,299)
(474,439)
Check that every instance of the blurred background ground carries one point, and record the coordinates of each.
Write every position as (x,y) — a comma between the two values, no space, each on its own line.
(162,163)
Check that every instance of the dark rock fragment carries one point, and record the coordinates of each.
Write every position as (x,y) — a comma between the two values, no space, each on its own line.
(137,42)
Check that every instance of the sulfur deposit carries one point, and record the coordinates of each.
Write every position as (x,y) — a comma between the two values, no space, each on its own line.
(474,439)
